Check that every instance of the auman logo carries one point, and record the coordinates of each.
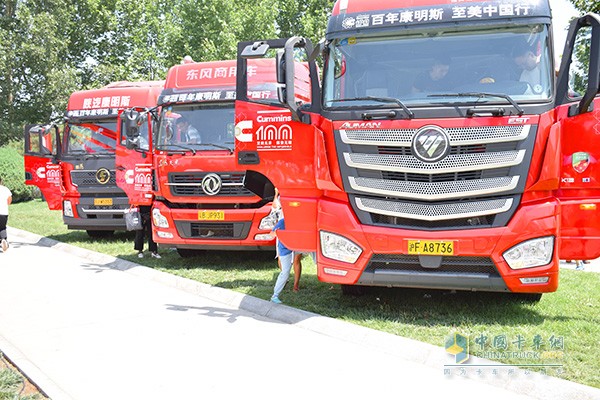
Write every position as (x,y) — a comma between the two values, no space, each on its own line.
(458,346)
(361,125)
(430,144)
(211,184)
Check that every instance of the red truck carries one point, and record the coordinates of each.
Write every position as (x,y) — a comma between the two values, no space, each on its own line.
(73,165)
(188,172)
(443,152)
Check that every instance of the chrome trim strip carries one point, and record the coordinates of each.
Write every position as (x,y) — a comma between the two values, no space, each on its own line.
(434,212)
(458,136)
(104,211)
(452,163)
(200,184)
(434,190)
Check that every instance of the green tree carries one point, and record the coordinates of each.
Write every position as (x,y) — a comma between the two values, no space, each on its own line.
(307,18)
(34,80)
(587,5)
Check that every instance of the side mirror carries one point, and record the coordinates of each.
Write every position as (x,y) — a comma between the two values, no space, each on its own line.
(132,125)
(132,129)
(280,70)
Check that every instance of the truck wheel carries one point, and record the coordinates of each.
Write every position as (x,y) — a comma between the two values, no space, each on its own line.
(529,297)
(187,253)
(99,234)
(353,290)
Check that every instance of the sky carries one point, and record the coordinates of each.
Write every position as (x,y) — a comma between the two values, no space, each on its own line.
(562,12)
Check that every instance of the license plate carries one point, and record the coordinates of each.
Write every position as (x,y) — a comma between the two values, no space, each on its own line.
(103,202)
(211,215)
(431,247)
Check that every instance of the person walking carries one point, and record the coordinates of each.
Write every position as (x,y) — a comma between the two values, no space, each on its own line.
(285,258)
(5,200)
(145,233)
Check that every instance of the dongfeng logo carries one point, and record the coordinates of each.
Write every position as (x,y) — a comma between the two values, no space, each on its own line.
(211,184)
(103,176)
(430,144)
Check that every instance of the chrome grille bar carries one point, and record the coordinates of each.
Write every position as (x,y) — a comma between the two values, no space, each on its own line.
(452,163)
(433,190)
(458,136)
(434,212)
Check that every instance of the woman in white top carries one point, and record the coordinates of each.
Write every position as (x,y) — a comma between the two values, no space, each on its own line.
(5,200)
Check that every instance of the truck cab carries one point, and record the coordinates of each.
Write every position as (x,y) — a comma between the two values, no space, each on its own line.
(73,163)
(446,152)
(198,198)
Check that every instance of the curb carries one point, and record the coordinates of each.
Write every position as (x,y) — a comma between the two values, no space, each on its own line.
(532,384)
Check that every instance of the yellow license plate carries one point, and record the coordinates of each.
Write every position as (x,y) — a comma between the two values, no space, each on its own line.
(431,247)
(103,202)
(211,215)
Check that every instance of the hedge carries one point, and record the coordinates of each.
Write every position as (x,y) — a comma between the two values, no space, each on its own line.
(12,170)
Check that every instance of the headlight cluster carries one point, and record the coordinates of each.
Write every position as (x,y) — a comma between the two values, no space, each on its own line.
(159,220)
(339,248)
(531,253)
(268,223)
(68,209)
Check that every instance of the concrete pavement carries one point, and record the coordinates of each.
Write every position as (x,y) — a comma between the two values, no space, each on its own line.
(83,325)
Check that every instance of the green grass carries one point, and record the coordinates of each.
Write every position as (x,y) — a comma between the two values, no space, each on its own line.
(571,314)
(12,384)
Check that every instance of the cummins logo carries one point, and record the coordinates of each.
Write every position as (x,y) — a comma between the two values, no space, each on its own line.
(103,176)
(211,184)
(430,144)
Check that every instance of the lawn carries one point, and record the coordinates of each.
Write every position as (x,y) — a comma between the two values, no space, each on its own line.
(562,329)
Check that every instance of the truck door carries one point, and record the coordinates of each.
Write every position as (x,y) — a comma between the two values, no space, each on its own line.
(578,118)
(134,156)
(269,133)
(277,90)
(42,168)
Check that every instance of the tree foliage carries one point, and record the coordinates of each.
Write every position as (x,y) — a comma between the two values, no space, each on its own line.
(587,5)
(51,48)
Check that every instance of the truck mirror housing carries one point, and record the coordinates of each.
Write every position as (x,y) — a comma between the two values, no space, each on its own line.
(280,66)
(255,50)
(132,128)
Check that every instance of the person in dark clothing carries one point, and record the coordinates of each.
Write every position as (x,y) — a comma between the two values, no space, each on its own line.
(145,232)
(436,79)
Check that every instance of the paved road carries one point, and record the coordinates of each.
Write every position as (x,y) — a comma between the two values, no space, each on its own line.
(87,326)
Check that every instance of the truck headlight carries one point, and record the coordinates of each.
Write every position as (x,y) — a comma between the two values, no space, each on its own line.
(267,223)
(531,253)
(68,209)
(339,248)
(159,220)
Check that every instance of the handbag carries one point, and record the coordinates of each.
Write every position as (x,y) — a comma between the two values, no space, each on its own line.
(133,219)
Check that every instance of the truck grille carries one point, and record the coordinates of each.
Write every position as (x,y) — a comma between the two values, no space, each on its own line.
(190,184)
(87,178)
(477,183)
(449,264)
(213,230)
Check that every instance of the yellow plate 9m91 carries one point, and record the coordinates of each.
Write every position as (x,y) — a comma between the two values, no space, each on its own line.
(431,247)
(211,215)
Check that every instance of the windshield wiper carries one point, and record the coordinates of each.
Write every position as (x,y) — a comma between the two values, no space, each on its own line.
(216,145)
(166,147)
(380,100)
(506,97)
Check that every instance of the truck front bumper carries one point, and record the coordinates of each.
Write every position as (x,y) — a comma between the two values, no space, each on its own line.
(477,262)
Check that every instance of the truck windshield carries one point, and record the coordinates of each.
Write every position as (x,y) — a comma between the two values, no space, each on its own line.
(91,137)
(513,61)
(197,127)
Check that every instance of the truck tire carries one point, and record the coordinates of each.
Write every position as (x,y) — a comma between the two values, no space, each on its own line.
(99,234)
(188,253)
(354,290)
(532,298)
